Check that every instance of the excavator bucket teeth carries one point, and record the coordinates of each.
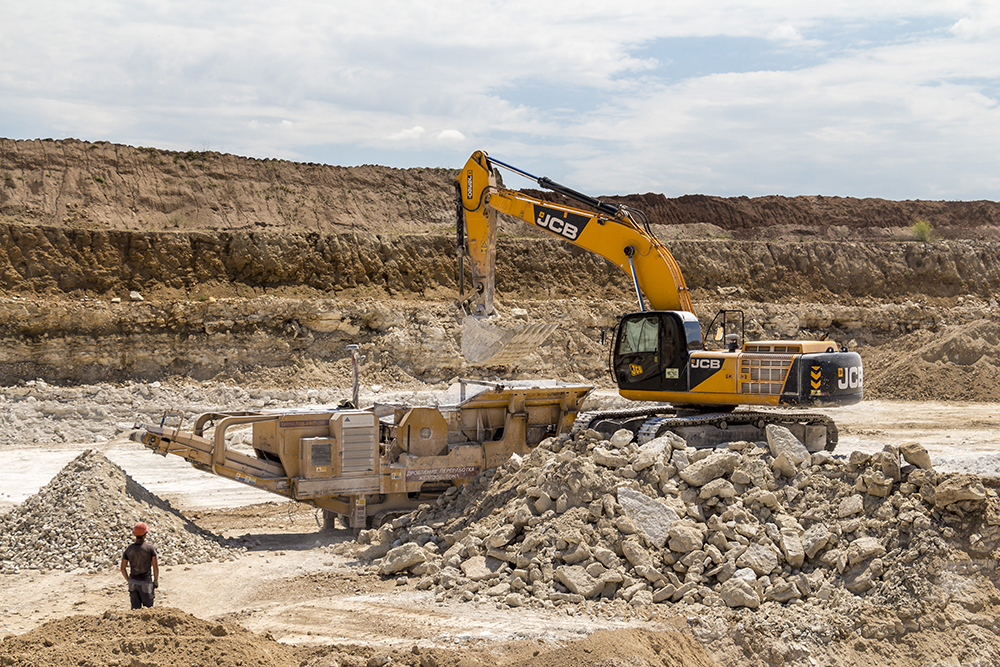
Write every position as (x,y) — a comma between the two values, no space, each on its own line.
(484,343)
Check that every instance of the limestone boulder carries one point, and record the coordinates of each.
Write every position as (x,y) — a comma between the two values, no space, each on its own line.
(759,558)
(650,516)
(635,553)
(603,457)
(655,451)
(791,547)
(402,558)
(711,468)
(814,539)
(686,537)
(957,488)
(717,488)
(738,593)
(621,437)
(478,568)
(576,580)
(781,441)
(864,548)
(850,506)
(915,454)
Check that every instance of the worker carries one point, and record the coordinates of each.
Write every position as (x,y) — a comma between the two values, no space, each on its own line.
(142,572)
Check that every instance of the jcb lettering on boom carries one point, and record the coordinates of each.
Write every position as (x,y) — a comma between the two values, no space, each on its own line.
(563,223)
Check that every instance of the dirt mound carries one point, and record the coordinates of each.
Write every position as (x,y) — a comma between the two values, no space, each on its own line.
(164,636)
(148,638)
(957,363)
(83,518)
(625,648)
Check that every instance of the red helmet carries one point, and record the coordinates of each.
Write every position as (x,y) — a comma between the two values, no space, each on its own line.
(140,529)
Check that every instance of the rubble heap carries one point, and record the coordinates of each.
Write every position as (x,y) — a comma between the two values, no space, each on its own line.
(83,518)
(590,519)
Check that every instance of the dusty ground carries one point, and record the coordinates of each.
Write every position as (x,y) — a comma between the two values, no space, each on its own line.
(301,586)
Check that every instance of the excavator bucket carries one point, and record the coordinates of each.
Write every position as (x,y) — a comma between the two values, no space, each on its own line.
(485,343)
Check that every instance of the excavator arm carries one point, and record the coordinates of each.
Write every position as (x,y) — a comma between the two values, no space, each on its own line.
(611,231)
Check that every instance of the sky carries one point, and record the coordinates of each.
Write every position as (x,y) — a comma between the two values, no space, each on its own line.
(894,99)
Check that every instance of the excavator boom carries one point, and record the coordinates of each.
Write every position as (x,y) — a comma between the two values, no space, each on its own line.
(611,232)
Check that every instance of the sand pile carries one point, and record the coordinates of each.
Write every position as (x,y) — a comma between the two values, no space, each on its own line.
(83,518)
(956,363)
(165,636)
(607,522)
(151,637)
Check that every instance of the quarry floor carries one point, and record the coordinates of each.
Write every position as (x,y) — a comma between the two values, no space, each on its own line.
(302,585)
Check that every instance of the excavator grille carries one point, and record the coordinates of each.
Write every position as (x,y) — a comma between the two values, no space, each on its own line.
(772,348)
(766,374)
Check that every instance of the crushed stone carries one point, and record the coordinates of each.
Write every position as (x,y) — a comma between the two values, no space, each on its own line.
(83,518)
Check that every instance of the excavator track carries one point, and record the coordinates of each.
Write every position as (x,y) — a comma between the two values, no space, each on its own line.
(703,430)
(593,419)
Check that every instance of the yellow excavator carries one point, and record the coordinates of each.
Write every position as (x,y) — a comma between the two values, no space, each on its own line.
(658,353)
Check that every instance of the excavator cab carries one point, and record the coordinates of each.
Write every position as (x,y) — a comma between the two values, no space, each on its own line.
(652,348)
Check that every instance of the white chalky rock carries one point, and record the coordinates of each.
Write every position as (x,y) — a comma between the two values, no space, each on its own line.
(654,451)
(781,441)
(603,457)
(791,546)
(621,437)
(402,558)
(738,593)
(651,516)
(864,548)
(717,488)
(576,580)
(685,537)
(710,468)
(814,539)
(475,568)
(759,558)
(850,506)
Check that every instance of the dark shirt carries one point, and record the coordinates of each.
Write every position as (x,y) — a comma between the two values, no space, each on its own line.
(140,561)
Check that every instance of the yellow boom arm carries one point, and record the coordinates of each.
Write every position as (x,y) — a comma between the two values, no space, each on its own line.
(612,234)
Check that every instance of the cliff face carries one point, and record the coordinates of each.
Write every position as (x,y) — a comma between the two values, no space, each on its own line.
(263,268)
(107,186)
(57,261)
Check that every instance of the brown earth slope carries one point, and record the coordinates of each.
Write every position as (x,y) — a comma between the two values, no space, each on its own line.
(251,265)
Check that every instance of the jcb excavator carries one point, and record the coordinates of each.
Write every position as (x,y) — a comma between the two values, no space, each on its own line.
(658,354)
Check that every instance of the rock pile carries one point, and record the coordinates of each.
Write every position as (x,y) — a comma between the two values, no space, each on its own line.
(590,519)
(83,518)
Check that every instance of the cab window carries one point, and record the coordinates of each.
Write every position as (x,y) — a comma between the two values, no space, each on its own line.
(641,334)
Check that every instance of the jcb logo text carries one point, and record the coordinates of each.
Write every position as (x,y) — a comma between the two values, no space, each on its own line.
(852,377)
(557,225)
(713,364)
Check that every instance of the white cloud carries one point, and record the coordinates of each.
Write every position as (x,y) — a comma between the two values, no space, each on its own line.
(450,136)
(414,132)
(783,96)
(784,33)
